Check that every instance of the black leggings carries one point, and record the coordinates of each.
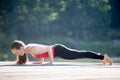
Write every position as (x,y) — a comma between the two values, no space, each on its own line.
(67,53)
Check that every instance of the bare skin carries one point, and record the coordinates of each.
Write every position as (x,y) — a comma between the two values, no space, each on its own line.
(107,59)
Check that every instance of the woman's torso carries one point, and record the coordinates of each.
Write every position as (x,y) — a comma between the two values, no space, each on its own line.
(38,50)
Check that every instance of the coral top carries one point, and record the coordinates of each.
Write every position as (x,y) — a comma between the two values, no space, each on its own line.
(44,55)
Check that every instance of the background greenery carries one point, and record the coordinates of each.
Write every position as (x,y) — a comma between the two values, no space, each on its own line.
(80,24)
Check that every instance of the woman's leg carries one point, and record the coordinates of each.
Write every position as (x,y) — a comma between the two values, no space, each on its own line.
(67,53)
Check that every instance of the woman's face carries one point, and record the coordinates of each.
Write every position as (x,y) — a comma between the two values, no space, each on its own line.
(18,52)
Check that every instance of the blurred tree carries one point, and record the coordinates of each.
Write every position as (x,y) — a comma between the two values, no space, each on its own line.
(115,13)
(115,19)
(61,20)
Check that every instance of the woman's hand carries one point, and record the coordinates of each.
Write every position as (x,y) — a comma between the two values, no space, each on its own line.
(39,62)
(48,64)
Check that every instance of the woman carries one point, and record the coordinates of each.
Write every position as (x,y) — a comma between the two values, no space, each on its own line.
(41,52)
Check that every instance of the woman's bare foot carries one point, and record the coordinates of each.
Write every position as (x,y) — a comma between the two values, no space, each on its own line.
(103,61)
(107,59)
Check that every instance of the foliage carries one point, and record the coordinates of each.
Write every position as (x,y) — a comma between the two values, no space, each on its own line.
(59,21)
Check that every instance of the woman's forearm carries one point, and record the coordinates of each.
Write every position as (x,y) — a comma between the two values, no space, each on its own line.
(50,55)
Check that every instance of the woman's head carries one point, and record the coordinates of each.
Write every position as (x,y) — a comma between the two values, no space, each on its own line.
(17,47)
(16,44)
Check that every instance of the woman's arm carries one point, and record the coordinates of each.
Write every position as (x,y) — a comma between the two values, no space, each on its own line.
(39,62)
(50,54)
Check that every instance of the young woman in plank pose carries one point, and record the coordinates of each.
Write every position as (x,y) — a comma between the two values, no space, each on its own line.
(40,52)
